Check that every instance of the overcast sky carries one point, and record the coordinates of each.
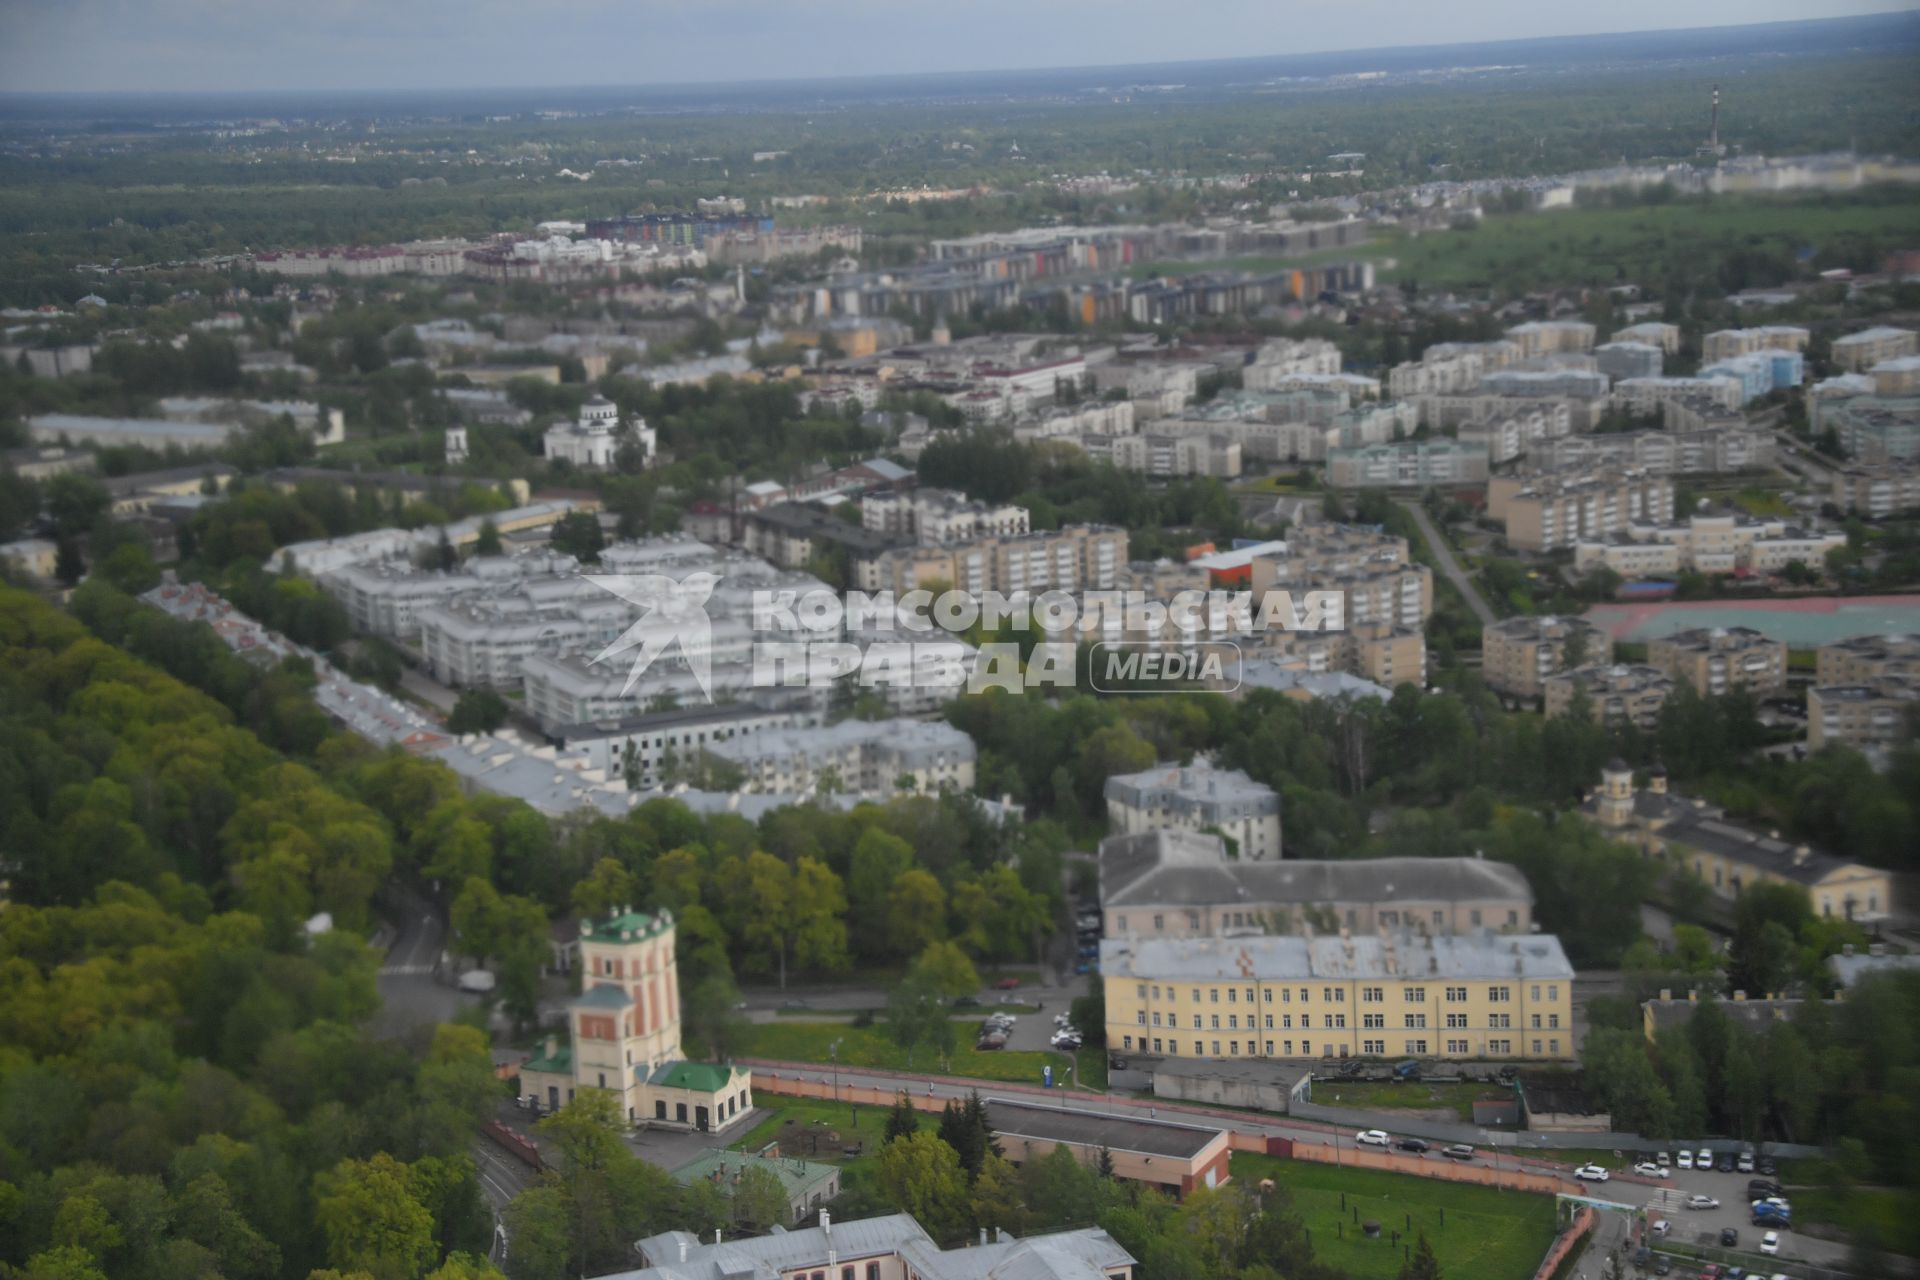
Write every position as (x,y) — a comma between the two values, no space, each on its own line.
(91,45)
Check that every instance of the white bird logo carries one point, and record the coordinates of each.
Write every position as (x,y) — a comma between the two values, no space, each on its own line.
(669,611)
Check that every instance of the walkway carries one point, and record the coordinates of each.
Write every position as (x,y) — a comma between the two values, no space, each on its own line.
(1443,553)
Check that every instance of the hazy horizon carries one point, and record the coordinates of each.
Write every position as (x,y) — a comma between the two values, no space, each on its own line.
(214,46)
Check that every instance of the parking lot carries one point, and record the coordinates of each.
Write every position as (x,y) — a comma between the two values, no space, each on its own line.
(1703,1226)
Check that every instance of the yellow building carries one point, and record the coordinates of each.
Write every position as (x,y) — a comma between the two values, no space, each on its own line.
(624,1030)
(1458,996)
(1727,854)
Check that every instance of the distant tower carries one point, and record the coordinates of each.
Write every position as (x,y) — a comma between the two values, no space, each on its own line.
(1713,132)
(456,444)
(740,283)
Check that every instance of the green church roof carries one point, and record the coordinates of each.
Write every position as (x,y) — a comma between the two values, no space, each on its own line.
(699,1077)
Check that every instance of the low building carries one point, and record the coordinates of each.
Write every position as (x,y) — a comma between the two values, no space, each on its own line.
(592,442)
(808,1185)
(1755,1014)
(891,1248)
(1198,797)
(1620,694)
(1719,660)
(1729,855)
(1169,1155)
(1519,655)
(1183,884)
(1453,996)
(1253,1084)
(35,557)
(1852,965)
(624,1035)
(1730,544)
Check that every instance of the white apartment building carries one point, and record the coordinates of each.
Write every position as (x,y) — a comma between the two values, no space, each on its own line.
(1522,431)
(860,757)
(382,597)
(1158,389)
(1450,368)
(936,517)
(1858,352)
(1197,797)
(1707,544)
(652,749)
(1164,456)
(1724,343)
(1348,388)
(1645,395)
(1551,337)
(1653,333)
(1283,357)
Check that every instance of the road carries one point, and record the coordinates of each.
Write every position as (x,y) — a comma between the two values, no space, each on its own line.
(1448,565)
(502,1177)
(1703,1226)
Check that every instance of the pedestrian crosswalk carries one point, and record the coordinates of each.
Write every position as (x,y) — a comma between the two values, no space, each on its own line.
(405,970)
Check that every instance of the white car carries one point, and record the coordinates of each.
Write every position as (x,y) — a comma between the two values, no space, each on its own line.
(1703,1159)
(1685,1159)
(1372,1138)
(1770,1243)
(1702,1202)
(1591,1173)
(1648,1169)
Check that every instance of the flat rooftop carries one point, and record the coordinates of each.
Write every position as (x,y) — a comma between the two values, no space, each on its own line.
(1098,1129)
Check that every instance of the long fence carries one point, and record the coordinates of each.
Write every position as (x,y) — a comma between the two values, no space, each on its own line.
(1565,1244)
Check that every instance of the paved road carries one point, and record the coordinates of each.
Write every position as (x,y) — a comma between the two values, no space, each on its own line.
(1448,565)
(502,1177)
(1703,1226)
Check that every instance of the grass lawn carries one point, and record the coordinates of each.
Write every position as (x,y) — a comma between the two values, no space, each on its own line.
(1386,1095)
(1761,502)
(1488,1234)
(869,1047)
(821,1130)
(1091,1067)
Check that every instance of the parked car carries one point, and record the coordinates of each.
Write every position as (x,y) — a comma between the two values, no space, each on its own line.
(1408,1070)
(1729,1237)
(1745,1163)
(794,1004)
(1770,1243)
(1372,1138)
(1648,1169)
(1660,1227)
(1116,1063)
(1642,1258)
(1066,1040)
(1662,1266)
(1591,1173)
(1458,1151)
(1702,1202)
(1725,1163)
(1662,1159)
(992,1040)
(1685,1159)
(1006,984)
(1711,1272)
(966,1002)
(1761,1188)
(1703,1159)
(1766,1166)
(1416,1145)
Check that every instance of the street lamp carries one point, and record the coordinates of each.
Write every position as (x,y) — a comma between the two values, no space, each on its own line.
(833,1052)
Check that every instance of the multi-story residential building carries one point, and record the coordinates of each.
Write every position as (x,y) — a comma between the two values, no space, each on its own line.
(1624,694)
(1644,396)
(1198,797)
(1707,544)
(1283,357)
(1349,388)
(1537,338)
(1186,884)
(1874,428)
(1449,368)
(1440,412)
(1877,491)
(1558,509)
(1210,453)
(570,689)
(860,757)
(1872,716)
(1721,659)
(1723,343)
(624,1035)
(1397,994)
(1158,389)
(1712,450)
(935,517)
(1630,359)
(1652,332)
(1896,378)
(661,749)
(1385,654)
(793,533)
(1074,558)
(1860,351)
(1409,464)
(1519,655)
(383,596)
(1729,855)
(1552,383)
(1379,580)
(1866,657)
(1759,372)
(1519,430)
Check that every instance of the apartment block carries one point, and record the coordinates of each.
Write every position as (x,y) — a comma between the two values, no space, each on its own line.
(1860,351)
(1877,491)
(1074,558)
(1380,580)
(1620,694)
(1169,455)
(1519,431)
(1644,396)
(859,757)
(1760,372)
(1409,464)
(1630,359)
(1652,332)
(1395,994)
(1712,450)
(1872,717)
(1707,544)
(936,517)
(1558,509)
(1185,884)
(1198,798)
(1551,337)
(1875,428)
(1864,658)
(1555,383)
(1519,655)
(1449,368)
(1721,659)
(1723,343)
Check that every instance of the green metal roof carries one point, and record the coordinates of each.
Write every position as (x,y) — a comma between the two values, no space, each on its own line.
(632,926)
(700,1077)
(561,1063)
